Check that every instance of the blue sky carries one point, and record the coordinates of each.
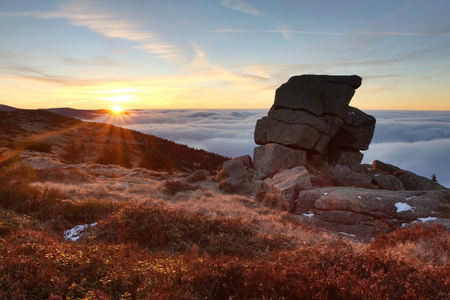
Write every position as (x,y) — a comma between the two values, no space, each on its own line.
(220,54)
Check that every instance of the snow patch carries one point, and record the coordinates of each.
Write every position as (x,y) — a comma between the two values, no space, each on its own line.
(325,194)
(74,233)
(347,234)
(309,215)
(427,219)
(409,198)
(402,207)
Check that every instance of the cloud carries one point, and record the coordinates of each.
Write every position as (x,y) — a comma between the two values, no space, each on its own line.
(410,126)
(289,32)
(424,158)
(411,140)
(110,25)
(241,6)
(227,132)
(417,141)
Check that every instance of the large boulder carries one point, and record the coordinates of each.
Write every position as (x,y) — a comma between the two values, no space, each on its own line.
(297,136)
(286,186)
(312,113)
(318,94)
(236,175)
(237,167)
(272,158)
(357,131)
(349,158)
(345,176)
(414,182)
(388,182)
(384,167)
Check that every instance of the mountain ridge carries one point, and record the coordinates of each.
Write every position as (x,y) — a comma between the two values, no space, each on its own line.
(99,142)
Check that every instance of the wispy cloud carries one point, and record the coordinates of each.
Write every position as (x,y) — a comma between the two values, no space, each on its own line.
(83,13)
(436,70)
(241,6)
(287,32)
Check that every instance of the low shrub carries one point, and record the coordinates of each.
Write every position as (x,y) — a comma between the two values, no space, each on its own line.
(39,147)
(160,228)
(172,187)
(38,266)
(64,175)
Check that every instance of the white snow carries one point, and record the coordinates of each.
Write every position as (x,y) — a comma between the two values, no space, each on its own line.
(402,207)
(74,233)
(359,197)
(309,215)
(347,234)
(427,219)
(379,198)
(409,198)
(325,194)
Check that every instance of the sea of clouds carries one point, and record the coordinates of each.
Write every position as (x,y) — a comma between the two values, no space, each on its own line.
(418,141)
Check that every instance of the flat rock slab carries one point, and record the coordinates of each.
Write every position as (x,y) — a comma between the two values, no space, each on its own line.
(366,211)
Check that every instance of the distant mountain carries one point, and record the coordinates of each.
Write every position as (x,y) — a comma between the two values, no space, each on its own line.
(85,114)
(74,140)
(6,108)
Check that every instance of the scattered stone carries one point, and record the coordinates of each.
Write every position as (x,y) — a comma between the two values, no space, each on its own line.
(236,175)
(386,168)
(366,211)
(414,182)
(285,186)
(388,182)
(198,175)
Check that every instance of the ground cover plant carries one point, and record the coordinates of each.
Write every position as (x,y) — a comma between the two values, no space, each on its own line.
(191,243)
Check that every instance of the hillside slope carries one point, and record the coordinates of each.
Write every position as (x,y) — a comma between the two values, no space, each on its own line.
(79,141)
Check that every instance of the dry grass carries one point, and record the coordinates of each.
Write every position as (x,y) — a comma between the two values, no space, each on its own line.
(197,243)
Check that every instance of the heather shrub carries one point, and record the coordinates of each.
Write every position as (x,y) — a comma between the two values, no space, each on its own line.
(73,151)
(37,265)
(160,228)
(39,147)
(64,175)
(88,211)
(426,243)
(172,187)
(156,160)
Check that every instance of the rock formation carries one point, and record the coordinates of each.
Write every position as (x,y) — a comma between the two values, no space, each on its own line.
(309,162)
(312,113)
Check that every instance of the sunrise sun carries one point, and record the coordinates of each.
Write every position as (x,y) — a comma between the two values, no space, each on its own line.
(117,109)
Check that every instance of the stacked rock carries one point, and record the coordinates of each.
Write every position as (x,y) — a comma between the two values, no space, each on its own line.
(311,114)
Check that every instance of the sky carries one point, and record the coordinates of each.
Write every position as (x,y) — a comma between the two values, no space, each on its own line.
(220,54)
(416,141)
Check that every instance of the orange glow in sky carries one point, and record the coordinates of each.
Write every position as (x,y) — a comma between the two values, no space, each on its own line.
(220,54)
(117,109)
